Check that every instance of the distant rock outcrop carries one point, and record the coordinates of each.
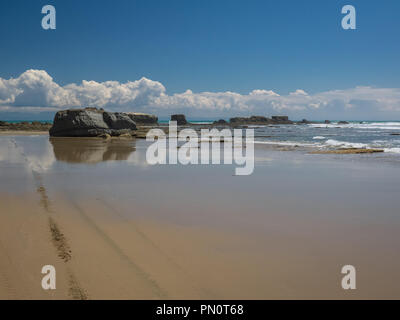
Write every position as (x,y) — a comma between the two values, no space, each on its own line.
(90,122)
(34,126)
(250,120)
(220,122)
(280,118)
(304,121)
(180,119)
(260,120)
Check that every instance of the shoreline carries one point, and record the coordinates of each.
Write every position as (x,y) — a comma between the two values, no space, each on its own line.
(141,134)
(22,132)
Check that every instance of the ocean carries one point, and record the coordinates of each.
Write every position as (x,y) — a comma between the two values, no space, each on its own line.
(356,134)
(380,135)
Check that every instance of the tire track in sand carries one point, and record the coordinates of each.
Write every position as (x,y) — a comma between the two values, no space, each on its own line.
(155,287)
(8,289)
(58,239)
(60,242)
(158,249)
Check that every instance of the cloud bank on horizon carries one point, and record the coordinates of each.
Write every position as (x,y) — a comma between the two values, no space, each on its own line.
(36,91)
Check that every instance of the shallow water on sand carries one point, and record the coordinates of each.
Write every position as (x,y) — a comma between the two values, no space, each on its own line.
(283,232)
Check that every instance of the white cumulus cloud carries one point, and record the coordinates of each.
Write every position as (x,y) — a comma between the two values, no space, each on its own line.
(35,90)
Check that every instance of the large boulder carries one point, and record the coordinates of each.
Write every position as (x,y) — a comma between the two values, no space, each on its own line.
(90,122)
(118,121)
(180,119)
(143,118)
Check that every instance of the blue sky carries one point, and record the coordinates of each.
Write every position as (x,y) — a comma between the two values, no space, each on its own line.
(204,46)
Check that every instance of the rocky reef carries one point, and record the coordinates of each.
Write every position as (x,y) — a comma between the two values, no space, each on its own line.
(91,122)
(260,120)
(34,126)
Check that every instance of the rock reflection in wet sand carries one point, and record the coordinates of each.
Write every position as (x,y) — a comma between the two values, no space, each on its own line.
(92,150)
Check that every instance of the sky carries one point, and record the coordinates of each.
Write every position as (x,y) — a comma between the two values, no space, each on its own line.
(207,59)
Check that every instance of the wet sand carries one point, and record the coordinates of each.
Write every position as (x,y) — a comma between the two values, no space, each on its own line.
(116,228)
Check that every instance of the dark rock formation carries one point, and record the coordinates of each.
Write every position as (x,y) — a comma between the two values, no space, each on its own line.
(90,122)
(238,120)
(260,120)
(304,121)
(2,123)
(250,120)
(327,122)
(343,122)
(143,118)
(180,119)
(220,122)
(280,118)
(118,121)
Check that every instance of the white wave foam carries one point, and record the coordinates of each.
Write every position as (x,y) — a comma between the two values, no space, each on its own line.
(365,126)
(287,143)
(345,144)
(392,150)
(319,138)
